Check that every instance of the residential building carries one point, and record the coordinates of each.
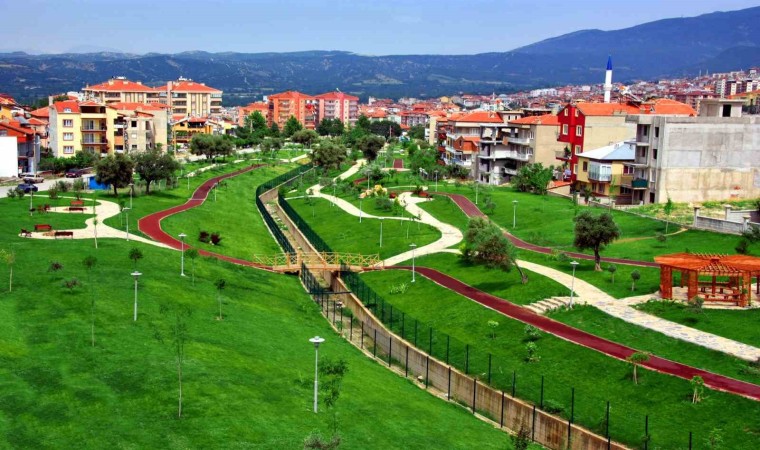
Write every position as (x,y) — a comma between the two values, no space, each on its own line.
(19,148)
(283,106)
(183,129)
(601,171)
(713,156)
(83,126)
(7,107)
(119,89)
(751,101)
(338,105)
(139,127)
(526,140)
(245,111)
(39,119)
(463,136)
(190,98)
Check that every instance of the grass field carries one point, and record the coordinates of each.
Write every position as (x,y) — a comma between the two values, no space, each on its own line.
(344,233)
(445,210)
(247,378)
(595,377)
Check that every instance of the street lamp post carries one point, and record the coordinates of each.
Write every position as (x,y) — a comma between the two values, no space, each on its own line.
(360,209)
(127,210)
(476,192)
(215,186)
(436,181)
(131,190)
(414,246)
(136,275)
(188,181)
(31,201)
(182,237)
(381,232)
(316,340)
(514,213)
(572,284)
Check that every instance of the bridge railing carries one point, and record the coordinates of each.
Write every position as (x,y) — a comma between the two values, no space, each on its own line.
(274,228)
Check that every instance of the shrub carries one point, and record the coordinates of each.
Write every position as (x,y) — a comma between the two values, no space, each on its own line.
(532,333)
(532,352)
(522,439)
(55,266)
(11,193)
(63,186)
(216,238)
(204,237)
(20,193)
(384,203)
(399,288)
(742,247)
(53,192)
(71,284)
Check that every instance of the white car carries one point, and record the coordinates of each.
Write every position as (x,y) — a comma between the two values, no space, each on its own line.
(30,177)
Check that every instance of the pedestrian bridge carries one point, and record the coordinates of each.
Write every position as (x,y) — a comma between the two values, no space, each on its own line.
(332,261)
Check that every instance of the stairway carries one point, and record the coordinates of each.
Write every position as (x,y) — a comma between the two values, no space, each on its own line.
(549,304)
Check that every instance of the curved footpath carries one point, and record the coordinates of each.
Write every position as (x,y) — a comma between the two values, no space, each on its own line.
(585,339)
(471,210)
(151,224)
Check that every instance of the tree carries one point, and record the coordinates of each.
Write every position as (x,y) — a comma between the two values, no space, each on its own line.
(89,262)
(274,130)
(363,123)
(115,170)
(178,333)
(210,146)
(220,285)
(305,137)
(256,123)
(635,275)
(493,325)
(612,269)
(135,254)
(595,232)
(697,388)
(417,132)
(370,145)
(291,127)
(9,257)
(533,178)
(668,210)
(192,254)
(484,243)
(330,127)
(328,154)
(636,359)
(154,165)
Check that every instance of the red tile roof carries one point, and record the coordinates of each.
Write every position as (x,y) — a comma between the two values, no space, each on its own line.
(658,106)
(546,119)
(481,117)
(337,96)
(290,95)
(41,112)
(187,86)
(115,85)
(133,106)
(606,109)
(73,105)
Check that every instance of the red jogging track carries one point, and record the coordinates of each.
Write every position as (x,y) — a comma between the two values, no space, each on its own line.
(151,226)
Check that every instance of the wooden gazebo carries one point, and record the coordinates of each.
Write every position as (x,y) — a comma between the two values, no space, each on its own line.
(715,278)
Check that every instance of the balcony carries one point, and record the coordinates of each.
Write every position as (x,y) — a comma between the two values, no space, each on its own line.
(629,181)
(94,129)
(508,171)
(563,155)
(519,141)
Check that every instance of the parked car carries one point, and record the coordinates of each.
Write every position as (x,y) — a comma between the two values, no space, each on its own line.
(27,188)
(30,177)
(74,173)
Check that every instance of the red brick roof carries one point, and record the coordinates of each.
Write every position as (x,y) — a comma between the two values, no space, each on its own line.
(546,119)
(481,117)
(120,86)
(73,105)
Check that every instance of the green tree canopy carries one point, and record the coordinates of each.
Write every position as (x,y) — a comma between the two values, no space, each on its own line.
(305,137)
(256,122)
(154,165)
(417,132)
(210,145)
(328,154)
(385,128)
(484,243)
(363,123)
(595,232)
(533,178)
(274,130)
(291,127)
(330,127)
(115,170)
(370,146)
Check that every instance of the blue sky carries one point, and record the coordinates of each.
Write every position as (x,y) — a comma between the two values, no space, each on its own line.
(362,26)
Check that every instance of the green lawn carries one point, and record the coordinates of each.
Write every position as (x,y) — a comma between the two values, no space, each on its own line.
(247,379)
(445,210)
(233,214)
(343,232)
(595,377)
(594,321)
(740,325)
(506,285)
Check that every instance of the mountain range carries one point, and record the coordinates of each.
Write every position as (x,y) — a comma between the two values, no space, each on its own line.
(718,41)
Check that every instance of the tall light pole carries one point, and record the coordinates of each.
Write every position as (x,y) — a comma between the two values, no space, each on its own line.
(127,210)
(316,340)
(136,275)
(368,172)
(360,209)
(215,186)
(131,190)
(188,181)
(572,284)
(31,201)
(436,181)
(514,213)
(182,237)
(414,246)
(476,192)
(381,232)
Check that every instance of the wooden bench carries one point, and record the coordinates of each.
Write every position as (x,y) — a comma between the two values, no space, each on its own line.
(42,227)
(76,208)
(69,234)
(76,203)
(25,233)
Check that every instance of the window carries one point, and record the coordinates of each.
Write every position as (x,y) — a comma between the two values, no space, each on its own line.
(134,135)
(565,114)
(578,130)
(654,153)
(68,123)
(726,111)
(585,166)
(577,149)
(576,112)
(656,132)
(134,124)
(564,128)
(68,136)
(68,149)
(627,170)
(134,146)
(67,110)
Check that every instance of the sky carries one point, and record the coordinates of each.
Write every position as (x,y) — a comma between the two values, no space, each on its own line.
(370,27)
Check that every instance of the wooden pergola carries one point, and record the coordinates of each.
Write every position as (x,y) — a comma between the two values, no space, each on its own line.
(735,272)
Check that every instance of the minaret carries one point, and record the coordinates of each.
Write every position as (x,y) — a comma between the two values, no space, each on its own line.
(608,80)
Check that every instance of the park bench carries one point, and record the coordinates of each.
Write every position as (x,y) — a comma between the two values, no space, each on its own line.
(77,203)
(76,208)
(46,207)
(42,227)
(25,233)
(69,234)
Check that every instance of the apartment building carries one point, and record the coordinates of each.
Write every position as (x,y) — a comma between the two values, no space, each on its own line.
(713,156)
(190,98)
(245,111)
(463,137)
(78,126)
(183,129)
(19,148)
(120,89)
(338,105)
(305,108)
(602,170)
(139,127)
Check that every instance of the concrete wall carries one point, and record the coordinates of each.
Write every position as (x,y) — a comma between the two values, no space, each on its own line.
(545,145)
(601,131)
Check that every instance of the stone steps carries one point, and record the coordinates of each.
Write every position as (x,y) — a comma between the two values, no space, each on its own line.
(549,304)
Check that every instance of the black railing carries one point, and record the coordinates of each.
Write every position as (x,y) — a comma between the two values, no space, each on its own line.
(274,227)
